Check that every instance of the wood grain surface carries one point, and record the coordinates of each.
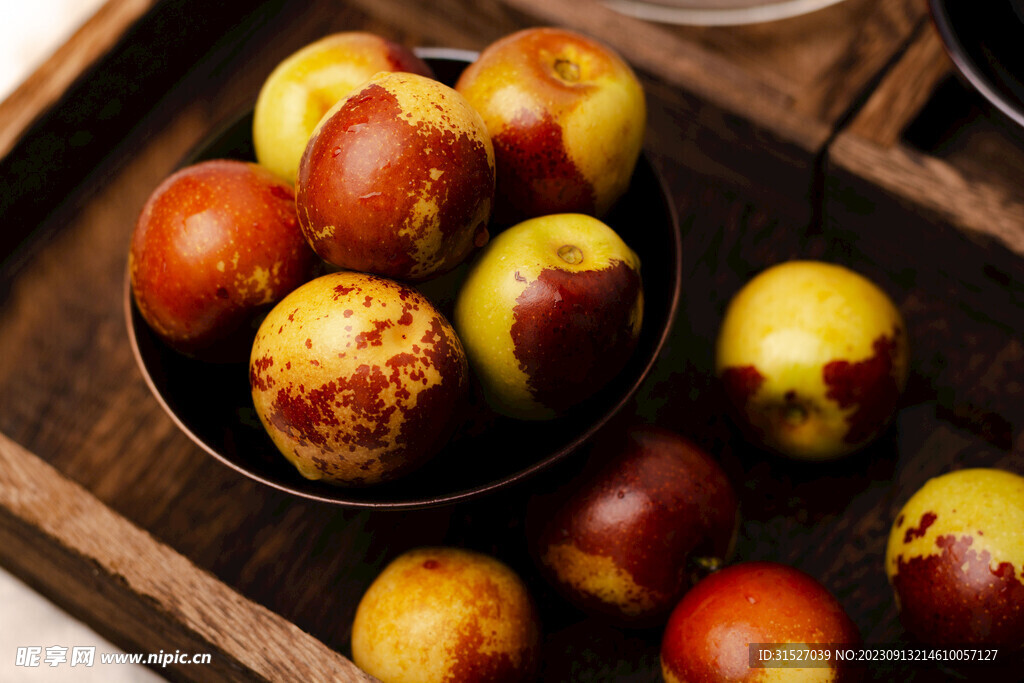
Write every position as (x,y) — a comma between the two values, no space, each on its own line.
(886,113)
(797,78)
(744,189)
(65,541)
(935,185)
(925,137)
(756,103)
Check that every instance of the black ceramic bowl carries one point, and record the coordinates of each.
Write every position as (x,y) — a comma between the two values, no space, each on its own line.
(211,403)
(984,41)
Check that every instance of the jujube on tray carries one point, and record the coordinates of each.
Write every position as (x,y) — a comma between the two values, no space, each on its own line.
(447,614)
(710,632)
(624,538)
(955,560)
(813,358)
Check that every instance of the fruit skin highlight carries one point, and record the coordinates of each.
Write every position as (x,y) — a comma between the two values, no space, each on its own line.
(708,634)
(357,379)
(397,180)
(955,559)
(549,313)
(621,540)
(305,85)
(446,614)
(813,358)
(215,246)
(567,116)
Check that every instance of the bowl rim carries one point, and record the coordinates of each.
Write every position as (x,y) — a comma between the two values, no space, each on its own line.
(335,495)
(968,68)
(708,14)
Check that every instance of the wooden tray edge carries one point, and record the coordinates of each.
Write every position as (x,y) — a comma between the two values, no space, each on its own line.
(904,90)
(44,87)
(685,65)
(870,148)
(935,187)
(138,592)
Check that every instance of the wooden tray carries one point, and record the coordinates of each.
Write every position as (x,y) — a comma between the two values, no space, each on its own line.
(925,137)
(754,106)
(111,512)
